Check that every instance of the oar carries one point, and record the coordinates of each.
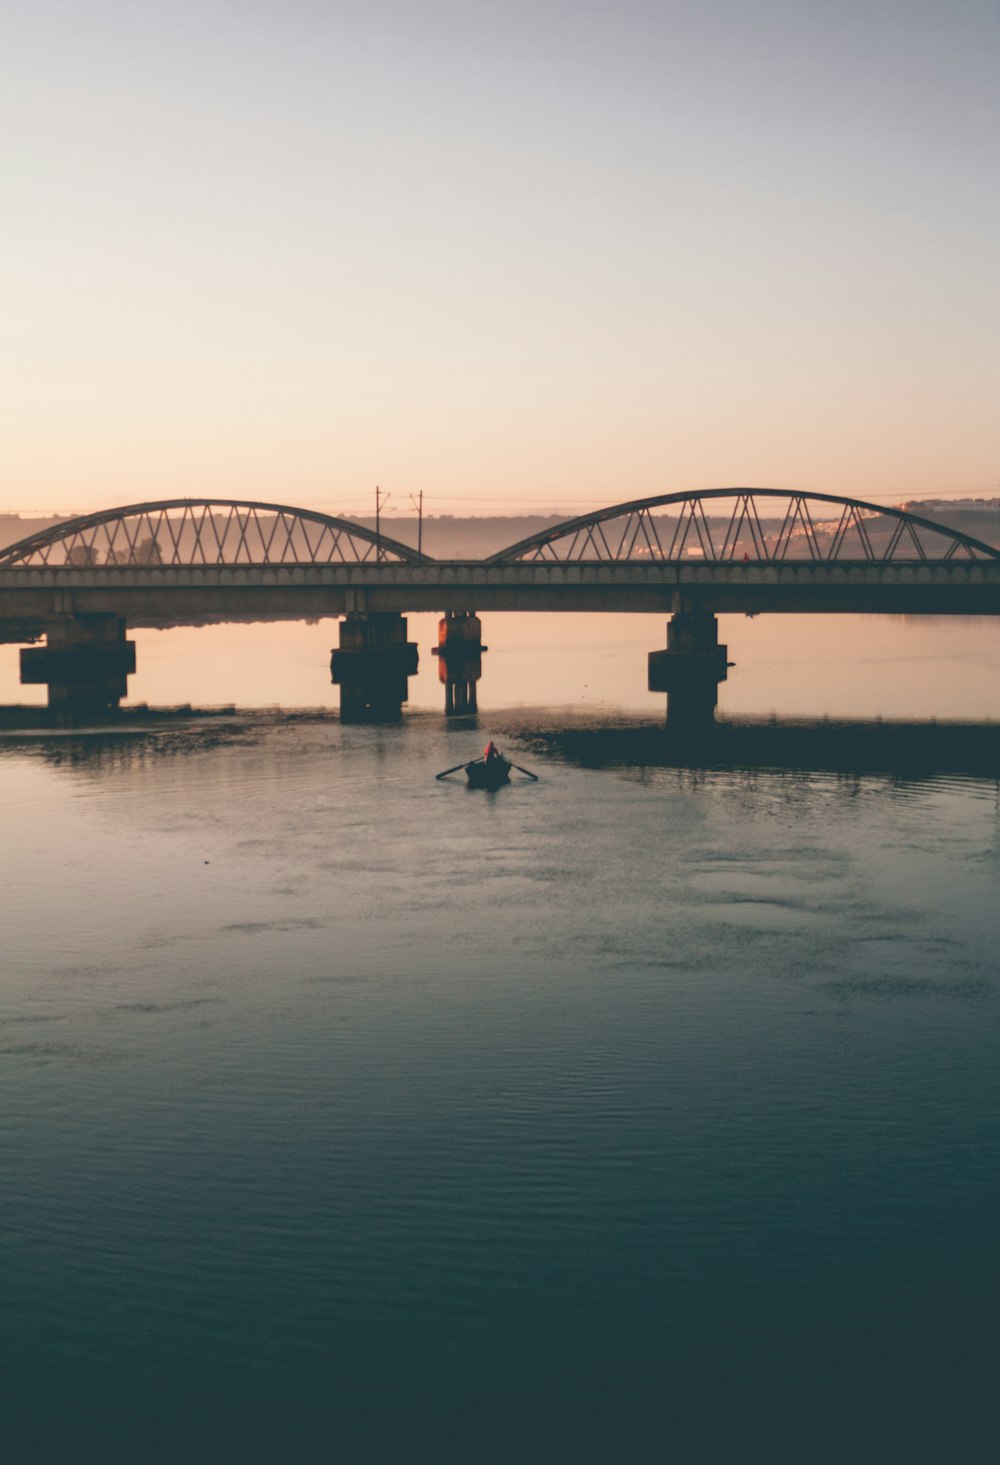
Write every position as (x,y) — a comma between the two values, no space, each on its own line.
(525,770)
(457,767)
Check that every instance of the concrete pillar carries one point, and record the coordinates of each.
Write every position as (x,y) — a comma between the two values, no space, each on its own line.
(460,660)
(690,669)
(372,666)
(85,663)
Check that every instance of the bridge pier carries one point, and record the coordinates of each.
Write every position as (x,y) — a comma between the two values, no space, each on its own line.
(372,666)
(690,669)
(85,663)
(460,660)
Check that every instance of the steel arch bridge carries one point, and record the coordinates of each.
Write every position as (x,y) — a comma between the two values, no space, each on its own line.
(192,532)
(769,525)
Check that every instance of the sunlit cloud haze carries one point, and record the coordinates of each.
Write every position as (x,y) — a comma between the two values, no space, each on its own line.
(543,253)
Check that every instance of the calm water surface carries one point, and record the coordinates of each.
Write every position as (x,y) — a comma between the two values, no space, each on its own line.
(647,1112)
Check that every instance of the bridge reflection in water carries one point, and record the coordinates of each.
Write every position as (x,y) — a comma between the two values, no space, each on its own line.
(904,752)
(689,557)
(907,751)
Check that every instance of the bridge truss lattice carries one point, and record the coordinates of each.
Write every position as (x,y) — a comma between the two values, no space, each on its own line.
(206,532)
(755,524)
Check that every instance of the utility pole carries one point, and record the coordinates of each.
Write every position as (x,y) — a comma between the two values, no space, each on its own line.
(418,504)
(380,499)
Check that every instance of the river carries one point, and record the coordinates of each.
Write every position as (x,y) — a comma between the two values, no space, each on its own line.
(647,1111)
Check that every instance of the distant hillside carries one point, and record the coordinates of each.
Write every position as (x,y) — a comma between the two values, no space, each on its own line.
(16,526)
(978,517)
(455,538)
(449,538)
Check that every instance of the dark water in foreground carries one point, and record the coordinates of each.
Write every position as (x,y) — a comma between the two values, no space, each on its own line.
(647,1112)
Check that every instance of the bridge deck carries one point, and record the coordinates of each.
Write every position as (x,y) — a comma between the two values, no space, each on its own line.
(201,594)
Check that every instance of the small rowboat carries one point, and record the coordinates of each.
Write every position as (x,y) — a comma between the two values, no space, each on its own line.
(488,772)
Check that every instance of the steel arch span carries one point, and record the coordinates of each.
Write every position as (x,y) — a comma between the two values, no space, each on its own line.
(756,524)
(206,532)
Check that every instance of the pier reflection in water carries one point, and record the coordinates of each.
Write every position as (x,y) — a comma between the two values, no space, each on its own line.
(907,751)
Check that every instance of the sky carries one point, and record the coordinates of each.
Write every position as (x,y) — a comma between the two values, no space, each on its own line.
(546,255)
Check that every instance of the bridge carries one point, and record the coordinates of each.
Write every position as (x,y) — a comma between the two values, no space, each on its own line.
(691,556)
